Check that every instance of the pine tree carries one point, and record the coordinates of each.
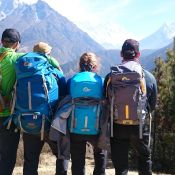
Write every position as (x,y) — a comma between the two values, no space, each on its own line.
(164,159)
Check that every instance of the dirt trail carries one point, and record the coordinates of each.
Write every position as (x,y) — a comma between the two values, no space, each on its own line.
(48,168)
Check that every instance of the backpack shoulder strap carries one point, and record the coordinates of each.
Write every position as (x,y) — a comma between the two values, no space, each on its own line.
(143,82)
(2,56)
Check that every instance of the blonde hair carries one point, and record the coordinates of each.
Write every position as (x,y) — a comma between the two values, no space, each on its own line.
(42,47)
(88,62)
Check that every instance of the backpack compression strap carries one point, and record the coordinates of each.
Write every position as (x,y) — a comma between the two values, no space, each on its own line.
(85,102)
(2,55)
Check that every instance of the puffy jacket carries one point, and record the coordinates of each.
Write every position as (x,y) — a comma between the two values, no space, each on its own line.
(7,72)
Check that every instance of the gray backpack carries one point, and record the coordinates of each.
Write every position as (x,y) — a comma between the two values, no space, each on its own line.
(126,91)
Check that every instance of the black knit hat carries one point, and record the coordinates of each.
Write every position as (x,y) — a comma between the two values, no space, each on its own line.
(130,48)
(11,36)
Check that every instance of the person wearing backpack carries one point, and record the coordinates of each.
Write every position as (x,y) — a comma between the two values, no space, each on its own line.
(86,91)
(9,139)
(39,87)
(131,92)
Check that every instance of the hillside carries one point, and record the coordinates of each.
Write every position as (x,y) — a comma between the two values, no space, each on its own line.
(39,22)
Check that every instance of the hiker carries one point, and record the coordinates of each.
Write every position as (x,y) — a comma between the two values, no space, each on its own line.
(131,93)
(45,48)
(8,138)
(41,85)
(86,90)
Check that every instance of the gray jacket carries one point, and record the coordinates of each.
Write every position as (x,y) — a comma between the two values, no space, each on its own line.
(59,131)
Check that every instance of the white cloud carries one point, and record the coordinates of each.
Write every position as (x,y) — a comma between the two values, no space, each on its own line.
(27,1)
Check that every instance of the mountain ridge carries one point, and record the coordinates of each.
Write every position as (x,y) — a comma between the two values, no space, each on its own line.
(39,22)
(160,38)
(42,23)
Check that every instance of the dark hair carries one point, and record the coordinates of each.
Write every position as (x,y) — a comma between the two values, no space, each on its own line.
(130,49)
(11,36)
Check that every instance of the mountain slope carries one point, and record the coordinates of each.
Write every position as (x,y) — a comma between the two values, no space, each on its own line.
(148,61)
(159,39)
(39,22)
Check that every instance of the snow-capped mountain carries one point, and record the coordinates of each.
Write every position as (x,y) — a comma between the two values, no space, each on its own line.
(109,35)
(161,38)
(39,22)
(6,8)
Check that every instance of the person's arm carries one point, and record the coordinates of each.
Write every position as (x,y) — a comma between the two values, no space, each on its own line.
(152,96)
(68,86)
(16,56)
(106,81)
(54,63)
(62,85)
(62,79)
(151,86)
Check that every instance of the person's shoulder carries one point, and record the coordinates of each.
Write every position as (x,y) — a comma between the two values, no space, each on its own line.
(149,76)
(18,55)
(133,66)
(13,56)
(107,75)
(52,59)
(107,78)
(59,73)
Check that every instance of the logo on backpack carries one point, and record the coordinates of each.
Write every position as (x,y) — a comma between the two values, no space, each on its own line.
(127,95)
(125,78)
(86,90)
(27,64)
(36,93)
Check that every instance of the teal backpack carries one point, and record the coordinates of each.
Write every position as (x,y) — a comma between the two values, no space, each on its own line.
(86,90)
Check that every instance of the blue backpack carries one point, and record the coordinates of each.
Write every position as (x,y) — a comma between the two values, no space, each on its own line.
(36,93)
(86,90)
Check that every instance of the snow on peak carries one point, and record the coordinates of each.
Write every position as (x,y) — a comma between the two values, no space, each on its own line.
(161,38)
(29,2)
(169,30)
(109,35)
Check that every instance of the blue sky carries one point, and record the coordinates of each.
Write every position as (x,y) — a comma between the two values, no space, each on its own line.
(140,17)
(112,21)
